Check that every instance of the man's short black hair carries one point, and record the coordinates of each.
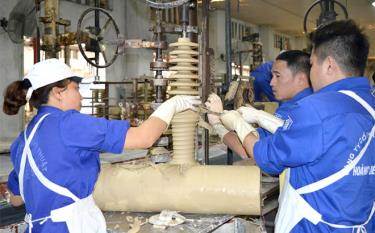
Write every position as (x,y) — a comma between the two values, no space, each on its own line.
(345,42)
(297,61)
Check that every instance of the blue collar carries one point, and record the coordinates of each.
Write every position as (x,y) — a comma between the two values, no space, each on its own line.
(48,109)
(302,94)
(347,83)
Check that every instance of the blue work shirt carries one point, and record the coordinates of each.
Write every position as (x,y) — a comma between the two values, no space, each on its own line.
(322,134)
(283,109)
(66,150)
(262,79)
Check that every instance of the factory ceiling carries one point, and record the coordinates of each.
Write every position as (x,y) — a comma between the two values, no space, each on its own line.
(287,16)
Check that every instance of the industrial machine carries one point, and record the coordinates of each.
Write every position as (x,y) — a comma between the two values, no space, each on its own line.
(173,179)
(180,184)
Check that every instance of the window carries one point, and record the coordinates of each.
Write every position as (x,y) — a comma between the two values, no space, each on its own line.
(281,42)
(240,30)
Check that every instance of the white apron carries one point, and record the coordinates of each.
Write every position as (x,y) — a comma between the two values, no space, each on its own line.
(82,216)
(293,208)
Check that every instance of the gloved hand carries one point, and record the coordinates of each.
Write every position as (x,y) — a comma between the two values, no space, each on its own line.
(220,130)
(263,119)
(175,105)
(214,104)
(233,120)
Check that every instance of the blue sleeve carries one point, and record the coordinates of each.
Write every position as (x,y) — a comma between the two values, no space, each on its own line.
(264,68)
(262,132)
(298,142)
(91,133)
(13,184)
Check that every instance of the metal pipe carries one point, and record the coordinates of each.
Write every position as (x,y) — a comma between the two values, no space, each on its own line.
(228,44)
(106,100)
(228,52)
(66,50)
(159,58)
(135,96)
(51,9)
(240,62)
(97,26)
(184,18)
(193,19)
(206,70)
(37,38)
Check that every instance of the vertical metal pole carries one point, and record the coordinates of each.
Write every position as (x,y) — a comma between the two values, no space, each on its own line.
(228,52)
(66,50)
(228,43)
(206,70)
(37,39)
(51,11)
(106,100)
(97,27)
(159,57)
(184,18)
(193,19)
(135,97)
(240,61)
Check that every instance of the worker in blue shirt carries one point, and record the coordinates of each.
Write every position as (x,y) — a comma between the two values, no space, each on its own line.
(262,78)
(326,143)
(290,83)
(56,158)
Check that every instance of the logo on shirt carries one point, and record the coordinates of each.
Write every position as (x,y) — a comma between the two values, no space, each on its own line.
(278,116)
(287,123)
(358,147)
(373,91)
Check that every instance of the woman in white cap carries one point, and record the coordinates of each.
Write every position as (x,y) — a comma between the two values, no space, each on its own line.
(56,158)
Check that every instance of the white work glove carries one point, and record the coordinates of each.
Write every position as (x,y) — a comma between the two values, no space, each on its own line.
(220,130)
(214,104)
(264,119)
(175,105)
(233,120)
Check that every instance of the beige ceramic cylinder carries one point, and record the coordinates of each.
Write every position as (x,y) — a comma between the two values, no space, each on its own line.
(189,189)
(184,82)
(184,127)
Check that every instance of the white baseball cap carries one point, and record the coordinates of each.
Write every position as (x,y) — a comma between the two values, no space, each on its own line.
(46,72)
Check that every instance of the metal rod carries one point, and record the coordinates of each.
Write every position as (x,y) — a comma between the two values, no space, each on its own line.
(159,57)
(228,52)
(51,11)
(135,97)
(106,101)
(228,44)
(121,82)
(97,26)
(37,39)
(184,18)
(206,70)
(193,19)
(240,62)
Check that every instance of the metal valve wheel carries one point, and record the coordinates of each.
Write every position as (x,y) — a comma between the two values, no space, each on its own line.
(97,38)
(327,15)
